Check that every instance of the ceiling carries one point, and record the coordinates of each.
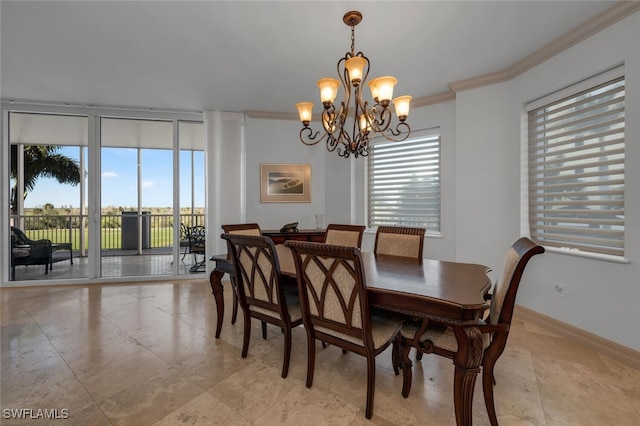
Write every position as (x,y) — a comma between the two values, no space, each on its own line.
(259,55)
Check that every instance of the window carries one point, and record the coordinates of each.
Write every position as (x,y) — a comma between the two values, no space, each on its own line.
(404,183)
(576,170)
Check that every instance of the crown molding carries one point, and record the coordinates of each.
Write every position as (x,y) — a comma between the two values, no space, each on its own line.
(433,99)
(273,115)
(613,14)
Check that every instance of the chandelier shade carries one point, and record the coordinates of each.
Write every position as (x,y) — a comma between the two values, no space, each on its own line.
(349,126)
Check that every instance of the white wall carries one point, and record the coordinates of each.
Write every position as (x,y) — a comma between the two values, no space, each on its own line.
(225,175)
(601,296)
(277,142)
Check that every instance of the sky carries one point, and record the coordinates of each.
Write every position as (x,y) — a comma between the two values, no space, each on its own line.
(119,176)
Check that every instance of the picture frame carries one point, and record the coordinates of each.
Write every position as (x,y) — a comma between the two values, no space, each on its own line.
(285,183)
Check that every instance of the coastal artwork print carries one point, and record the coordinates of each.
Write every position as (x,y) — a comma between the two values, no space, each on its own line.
(285,183)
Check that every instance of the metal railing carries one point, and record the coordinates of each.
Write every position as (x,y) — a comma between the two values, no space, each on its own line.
(157,229)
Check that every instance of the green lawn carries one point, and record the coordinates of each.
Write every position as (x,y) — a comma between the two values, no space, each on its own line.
(111,237)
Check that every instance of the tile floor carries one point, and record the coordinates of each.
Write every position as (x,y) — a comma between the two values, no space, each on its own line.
(144,354)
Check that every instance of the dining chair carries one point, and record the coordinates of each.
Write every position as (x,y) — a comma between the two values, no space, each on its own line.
(335,306)
(432,337)
(399,241)
(239,229)
(344,235)
(260,289)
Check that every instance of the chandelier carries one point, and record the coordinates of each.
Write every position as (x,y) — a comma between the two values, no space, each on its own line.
(348,128)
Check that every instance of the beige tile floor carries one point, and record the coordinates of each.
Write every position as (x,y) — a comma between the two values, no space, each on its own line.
(144,354)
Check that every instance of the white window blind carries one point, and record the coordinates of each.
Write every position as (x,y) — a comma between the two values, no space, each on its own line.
(404,183)
(576,170)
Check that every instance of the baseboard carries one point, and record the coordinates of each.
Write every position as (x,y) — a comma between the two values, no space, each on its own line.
(592,341)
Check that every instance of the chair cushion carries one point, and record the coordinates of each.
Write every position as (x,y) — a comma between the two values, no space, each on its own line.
(21,252)
(293,306)
(440,335)
(383,329)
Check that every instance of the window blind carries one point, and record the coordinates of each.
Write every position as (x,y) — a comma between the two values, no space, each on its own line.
(404,183)
(576,170)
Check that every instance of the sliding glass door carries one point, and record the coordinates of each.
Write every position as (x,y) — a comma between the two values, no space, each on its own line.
(136,197)
(48,204)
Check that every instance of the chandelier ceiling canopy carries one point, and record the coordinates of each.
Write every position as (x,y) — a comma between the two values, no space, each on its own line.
(350,125)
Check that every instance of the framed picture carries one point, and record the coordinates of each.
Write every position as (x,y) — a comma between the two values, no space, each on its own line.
(285,183)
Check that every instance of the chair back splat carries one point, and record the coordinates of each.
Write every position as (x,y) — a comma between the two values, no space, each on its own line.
(399,241)
(335,306)
(344,235)
(260,290)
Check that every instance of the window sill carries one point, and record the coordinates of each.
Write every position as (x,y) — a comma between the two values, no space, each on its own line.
(588,255)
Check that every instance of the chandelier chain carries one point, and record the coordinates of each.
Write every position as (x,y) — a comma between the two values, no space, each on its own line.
(353,40)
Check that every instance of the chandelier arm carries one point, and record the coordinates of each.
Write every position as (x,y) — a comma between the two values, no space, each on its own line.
(346,85)
(328,119)
(310,137)
(400,133)
(332,144)
(382,119)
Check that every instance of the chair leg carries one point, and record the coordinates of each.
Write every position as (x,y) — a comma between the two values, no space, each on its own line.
(234,311)
(287,352)
(371,384)
(311,358)
(395,356)
(264,330)
(418,354)
(247,334)
(487,389)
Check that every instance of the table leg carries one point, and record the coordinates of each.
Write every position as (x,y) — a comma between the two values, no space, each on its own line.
(215,279)
(467,362)
(405,364)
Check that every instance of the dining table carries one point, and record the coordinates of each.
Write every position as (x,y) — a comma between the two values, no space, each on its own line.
(451,293)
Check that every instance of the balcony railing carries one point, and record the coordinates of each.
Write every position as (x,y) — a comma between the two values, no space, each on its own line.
(157,229)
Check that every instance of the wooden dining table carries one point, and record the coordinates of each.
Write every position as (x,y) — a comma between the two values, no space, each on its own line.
(452,293)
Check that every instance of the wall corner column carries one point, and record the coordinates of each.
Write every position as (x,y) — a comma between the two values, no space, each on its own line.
(224,142)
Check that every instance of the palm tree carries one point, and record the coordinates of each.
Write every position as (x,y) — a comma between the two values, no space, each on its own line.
(42,161)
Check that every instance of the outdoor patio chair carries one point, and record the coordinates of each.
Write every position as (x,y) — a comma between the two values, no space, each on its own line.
(25,251)
(197,241)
